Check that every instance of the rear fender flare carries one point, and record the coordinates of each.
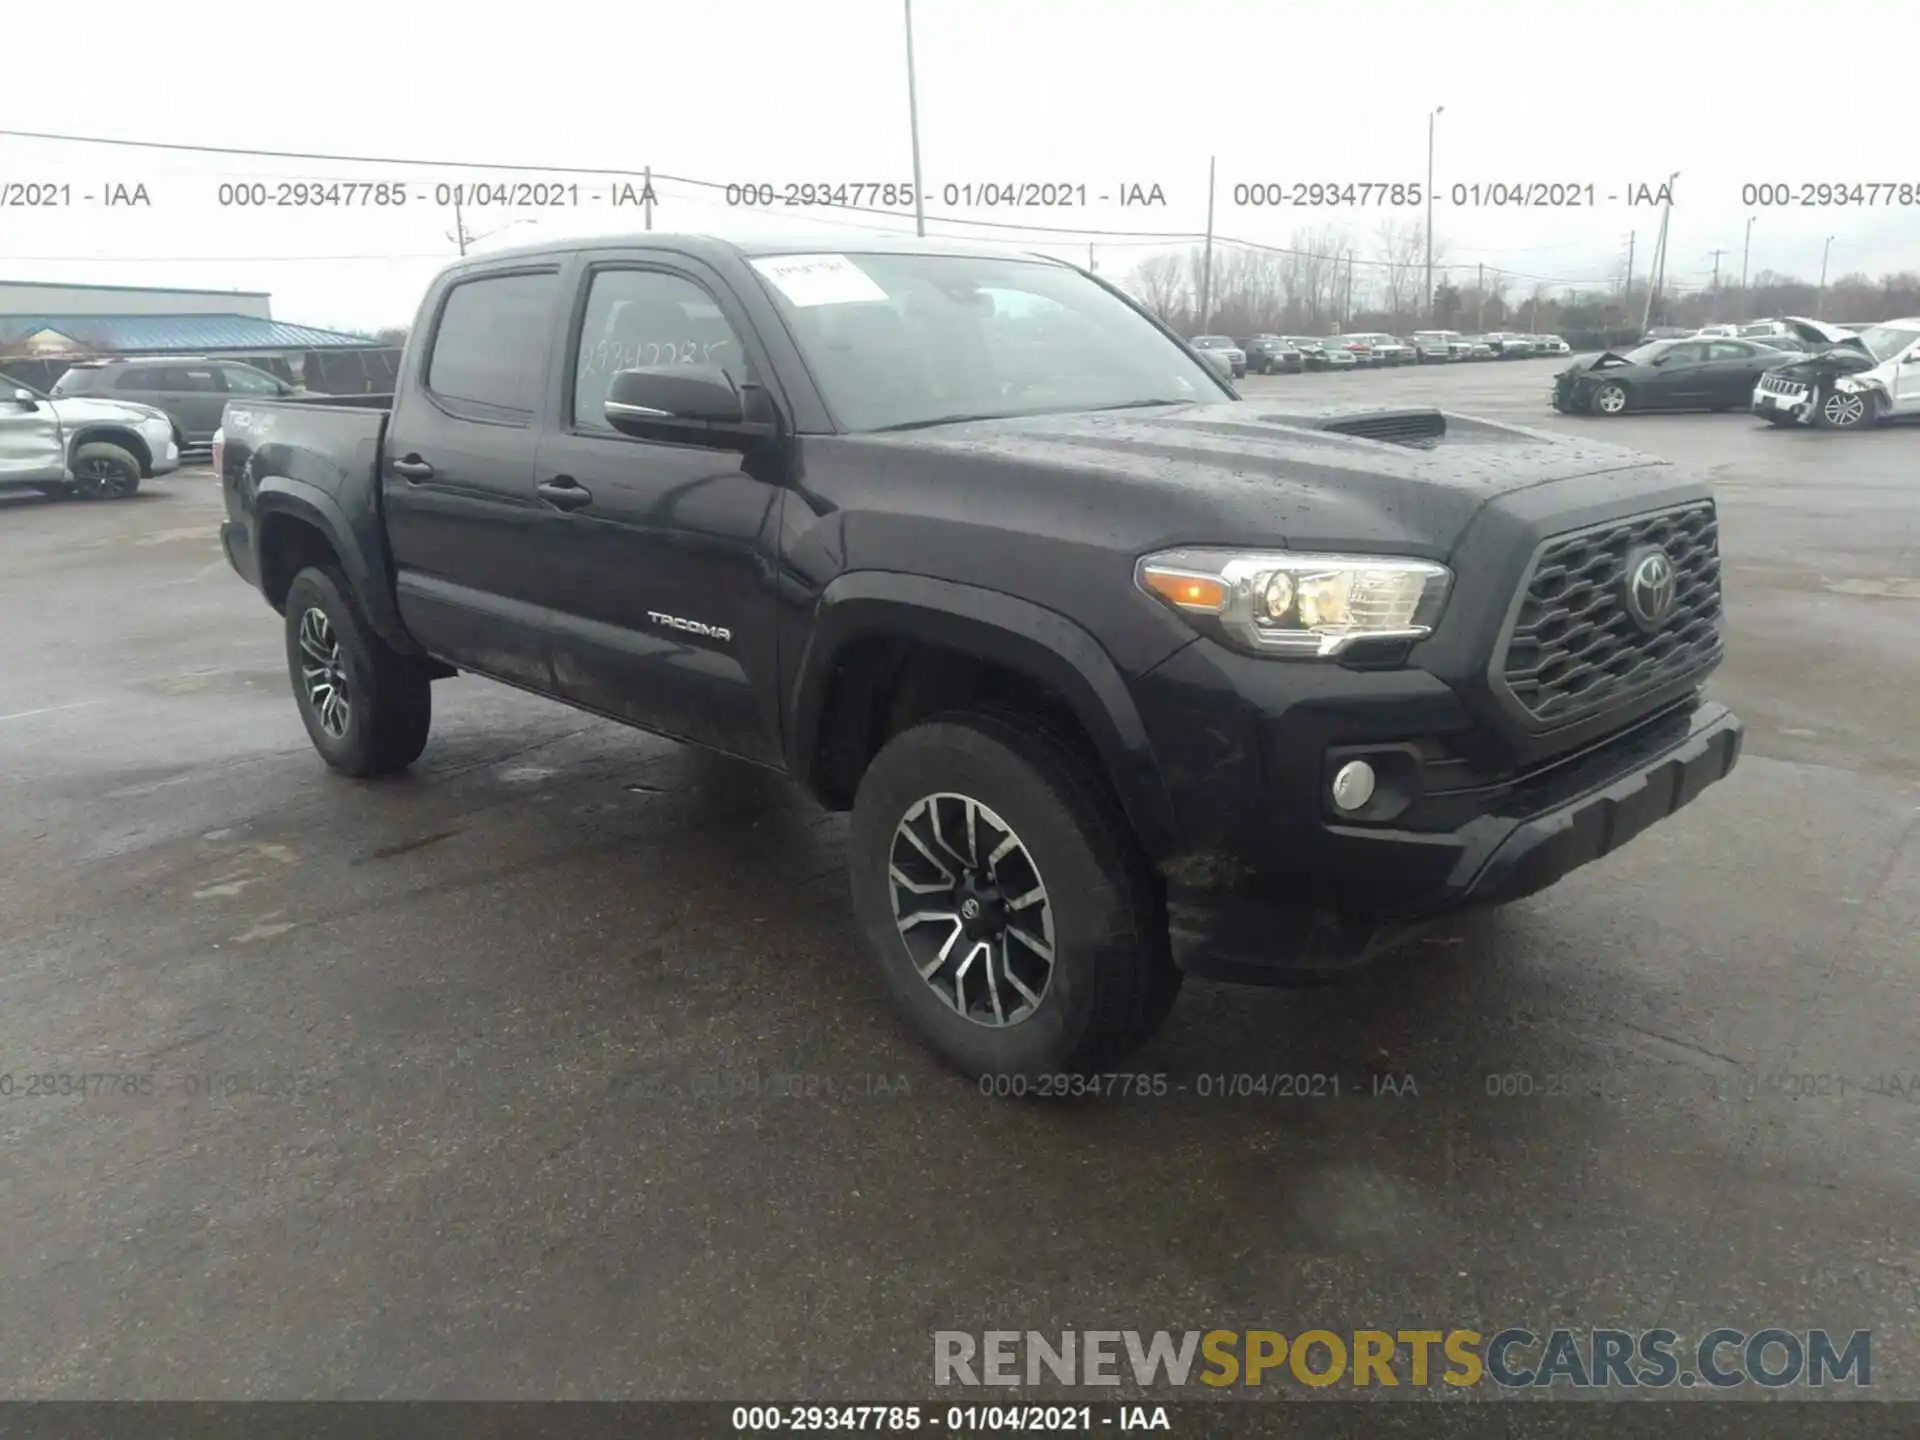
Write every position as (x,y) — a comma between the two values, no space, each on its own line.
(279,500)
(1001,629)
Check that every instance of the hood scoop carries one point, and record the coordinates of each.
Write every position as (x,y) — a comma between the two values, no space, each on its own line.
(1420,429)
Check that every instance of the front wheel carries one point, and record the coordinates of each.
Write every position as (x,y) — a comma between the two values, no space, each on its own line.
(1015,922)
(1609,399)
(1843,410)
(105,472)
(366,707)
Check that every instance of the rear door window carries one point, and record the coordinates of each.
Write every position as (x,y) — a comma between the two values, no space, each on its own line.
(490,348)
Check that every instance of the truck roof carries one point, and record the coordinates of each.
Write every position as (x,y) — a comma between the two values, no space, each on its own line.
(713,246)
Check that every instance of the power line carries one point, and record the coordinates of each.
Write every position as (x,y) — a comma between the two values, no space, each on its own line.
(603,171)
(1069,234)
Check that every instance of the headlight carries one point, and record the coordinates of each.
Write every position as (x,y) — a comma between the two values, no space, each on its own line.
(1301,605)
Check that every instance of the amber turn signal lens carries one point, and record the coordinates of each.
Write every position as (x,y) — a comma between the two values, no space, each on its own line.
(1189,592)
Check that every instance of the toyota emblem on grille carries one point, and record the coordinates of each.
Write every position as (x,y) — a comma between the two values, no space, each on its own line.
(1650,586)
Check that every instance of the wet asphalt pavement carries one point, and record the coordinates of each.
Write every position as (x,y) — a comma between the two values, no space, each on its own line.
(445,1086)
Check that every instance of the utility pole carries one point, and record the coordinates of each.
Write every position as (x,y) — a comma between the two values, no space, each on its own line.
(1632,235)
(646,196)
(459,235)
(1432,115)
(1820,304)
(1480,299)
(1660,254)
(1716,268)
(913,128)
(1746,249)
(1092,264)
(1206,257)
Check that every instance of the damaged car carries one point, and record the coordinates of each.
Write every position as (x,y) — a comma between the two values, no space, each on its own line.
(1847,380)
(1686,374)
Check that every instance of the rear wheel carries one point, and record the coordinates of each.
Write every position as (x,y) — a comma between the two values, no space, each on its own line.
(104,472)
(1609,399)
(1015,922)
(366,707)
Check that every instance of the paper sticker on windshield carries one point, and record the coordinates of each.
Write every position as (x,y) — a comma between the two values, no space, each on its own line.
(808,280)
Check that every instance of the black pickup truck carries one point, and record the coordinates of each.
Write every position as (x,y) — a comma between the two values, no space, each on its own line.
(1121,677)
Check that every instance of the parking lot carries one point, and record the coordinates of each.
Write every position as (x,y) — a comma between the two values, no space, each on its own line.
(446,1086)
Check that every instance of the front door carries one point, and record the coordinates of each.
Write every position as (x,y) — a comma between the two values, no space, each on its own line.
(457,475)
(660,556)
(1906,382)
(31,445)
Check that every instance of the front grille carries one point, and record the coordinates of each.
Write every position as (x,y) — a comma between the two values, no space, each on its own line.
(1780,385)
(1574,649)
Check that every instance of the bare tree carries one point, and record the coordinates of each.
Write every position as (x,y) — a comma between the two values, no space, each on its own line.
(1159,282)
(1403,258)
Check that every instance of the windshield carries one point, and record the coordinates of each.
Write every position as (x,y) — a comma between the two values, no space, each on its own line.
(1884,342)
(1212,342)
(898,340)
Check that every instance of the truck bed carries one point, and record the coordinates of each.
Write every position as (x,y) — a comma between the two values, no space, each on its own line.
(318,457)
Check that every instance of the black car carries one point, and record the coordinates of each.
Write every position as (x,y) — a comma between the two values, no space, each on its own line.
(1690,374)
(1272,355)
(1120,677)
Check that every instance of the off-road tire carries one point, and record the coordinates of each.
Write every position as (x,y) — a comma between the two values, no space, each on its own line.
(104,471)
(1113,978)
(390,696)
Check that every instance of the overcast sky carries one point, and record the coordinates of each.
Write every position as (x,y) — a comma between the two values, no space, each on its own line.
(1095,94)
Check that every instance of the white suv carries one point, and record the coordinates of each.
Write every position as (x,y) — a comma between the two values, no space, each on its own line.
(1848,381)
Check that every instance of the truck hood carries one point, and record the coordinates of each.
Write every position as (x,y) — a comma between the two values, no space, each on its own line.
(79,410)
(1260,474)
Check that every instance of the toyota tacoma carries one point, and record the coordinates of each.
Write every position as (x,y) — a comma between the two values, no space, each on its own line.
(1121,677)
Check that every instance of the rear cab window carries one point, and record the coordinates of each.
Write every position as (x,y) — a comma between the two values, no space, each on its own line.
(489,347)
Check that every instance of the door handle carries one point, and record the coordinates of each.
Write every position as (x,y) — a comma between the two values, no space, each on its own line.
(563,492)
(413,468)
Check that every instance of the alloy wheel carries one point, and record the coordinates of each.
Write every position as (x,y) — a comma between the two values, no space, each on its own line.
(323,670)
(1611,400)
(100,479)
(972,909)
(1841,410)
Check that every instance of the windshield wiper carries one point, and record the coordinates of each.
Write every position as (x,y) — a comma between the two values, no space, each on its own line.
(942,420)
(1019,415)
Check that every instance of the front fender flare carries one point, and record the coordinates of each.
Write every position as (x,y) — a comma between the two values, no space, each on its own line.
(278,497)
(999,628)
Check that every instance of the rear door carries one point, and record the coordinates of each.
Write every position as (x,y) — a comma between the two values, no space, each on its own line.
(1734,367)
(457,473)
(661,564)
(194,395)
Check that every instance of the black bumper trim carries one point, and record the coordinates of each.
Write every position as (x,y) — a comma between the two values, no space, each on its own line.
(1257,940)
(1547,847)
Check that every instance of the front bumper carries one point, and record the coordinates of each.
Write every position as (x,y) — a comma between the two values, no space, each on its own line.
(161,446)
(1502,842)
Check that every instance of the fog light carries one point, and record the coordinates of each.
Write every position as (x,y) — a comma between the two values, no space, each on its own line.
(1353,785)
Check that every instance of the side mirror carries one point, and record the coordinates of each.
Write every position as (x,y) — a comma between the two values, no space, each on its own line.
(26,400)
(690,404)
